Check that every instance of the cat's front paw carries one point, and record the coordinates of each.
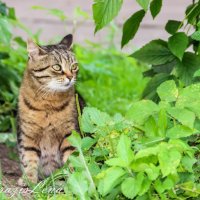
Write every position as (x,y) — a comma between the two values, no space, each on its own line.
(25,182)
(21,182)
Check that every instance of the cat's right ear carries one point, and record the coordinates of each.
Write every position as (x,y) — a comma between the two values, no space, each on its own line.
(33,49)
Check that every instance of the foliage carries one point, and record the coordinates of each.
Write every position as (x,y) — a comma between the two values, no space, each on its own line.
(112,79)
(170,58)
(144,155)
(12,63)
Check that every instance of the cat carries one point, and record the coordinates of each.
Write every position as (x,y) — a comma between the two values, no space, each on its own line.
(47,111)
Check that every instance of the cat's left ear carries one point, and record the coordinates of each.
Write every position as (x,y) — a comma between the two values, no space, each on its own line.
(34,50)
(67,41)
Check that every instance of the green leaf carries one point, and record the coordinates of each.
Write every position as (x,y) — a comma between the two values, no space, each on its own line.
(109,179)
(189,98)
(152,172)
(87,143)
(131,26)
(162,123)
(78,185)
(169,159)
(119,162)
(184,116)
(172,26)
(145,187)
(150,127)
(140,111)
(168,91)
(104,11)
(186,69)
(178,43)
(196,36)
(155,53)
(75,140)
(5,31)
(197,73)
(150,90)
(188,163)
(92,118)
(179,131)
(192,12)
(132,186)
(155,7)
(147,152)
(144,4)
(124,149)
(3,8)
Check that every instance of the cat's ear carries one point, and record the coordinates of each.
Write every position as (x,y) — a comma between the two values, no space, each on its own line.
(67,41)
(34,49)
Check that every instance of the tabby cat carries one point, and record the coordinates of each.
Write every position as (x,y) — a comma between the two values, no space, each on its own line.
(47,111)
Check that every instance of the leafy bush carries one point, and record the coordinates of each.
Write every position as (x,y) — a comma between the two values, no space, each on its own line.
(144,155)
(12,62)
(168,59)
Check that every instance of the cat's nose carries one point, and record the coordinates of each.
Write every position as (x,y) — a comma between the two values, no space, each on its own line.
(69,75)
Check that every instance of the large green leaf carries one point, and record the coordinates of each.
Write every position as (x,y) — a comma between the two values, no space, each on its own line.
(155,7)
(92,118)
(109,179)
(172,26)
(78,185)
(178,43)
(184,116)
(189,65)
(104,11)
(140,111)
(155,53)
(169,159)
(189,98)
(132,186)
(144,4)
(131,26)
(179,131)
(168,91)
(124,149)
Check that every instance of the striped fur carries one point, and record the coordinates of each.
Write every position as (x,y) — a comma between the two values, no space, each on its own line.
(46,109)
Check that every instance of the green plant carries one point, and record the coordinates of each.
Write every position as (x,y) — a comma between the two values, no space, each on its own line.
(168,59)
(144,155)
(12,63)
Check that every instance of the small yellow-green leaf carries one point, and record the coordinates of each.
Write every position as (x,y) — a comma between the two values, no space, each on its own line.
(168,91)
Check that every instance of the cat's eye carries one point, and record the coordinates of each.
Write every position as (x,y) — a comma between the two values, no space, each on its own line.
(56,67)
(74,66)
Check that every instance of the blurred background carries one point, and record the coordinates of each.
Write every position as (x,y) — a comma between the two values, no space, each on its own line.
(83,26)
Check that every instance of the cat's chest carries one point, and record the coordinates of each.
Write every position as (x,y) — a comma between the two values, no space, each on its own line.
(50,119)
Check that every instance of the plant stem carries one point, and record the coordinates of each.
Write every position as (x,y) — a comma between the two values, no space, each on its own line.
(88,174)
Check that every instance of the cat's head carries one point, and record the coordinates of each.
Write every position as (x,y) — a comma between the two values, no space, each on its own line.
(53,66)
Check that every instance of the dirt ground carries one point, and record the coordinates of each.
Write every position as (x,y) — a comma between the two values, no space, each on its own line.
(10,170)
